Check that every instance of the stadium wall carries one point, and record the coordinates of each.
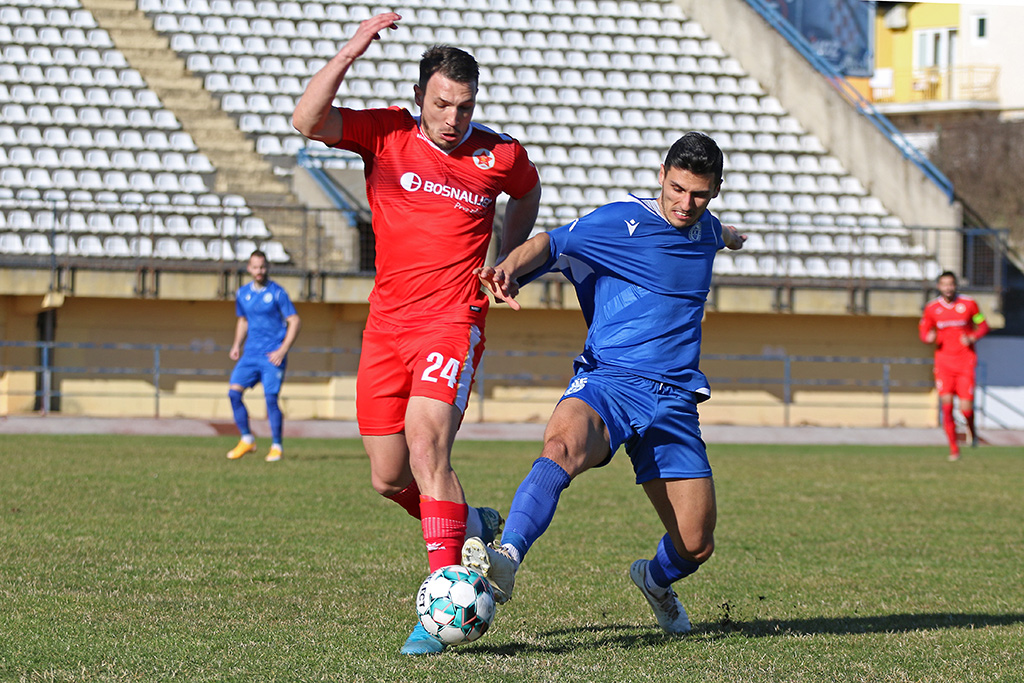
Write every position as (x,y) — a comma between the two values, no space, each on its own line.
(528,365)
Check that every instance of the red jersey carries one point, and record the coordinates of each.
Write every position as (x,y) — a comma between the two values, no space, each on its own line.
(433,212)
(951,320)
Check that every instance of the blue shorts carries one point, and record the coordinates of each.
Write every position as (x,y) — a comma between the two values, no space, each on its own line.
(657,423)
(252,369)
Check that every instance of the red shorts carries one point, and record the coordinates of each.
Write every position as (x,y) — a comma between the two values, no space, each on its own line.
(959,381)
(436,361)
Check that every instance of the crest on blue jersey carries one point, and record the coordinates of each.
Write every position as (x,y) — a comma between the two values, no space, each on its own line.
(695,232)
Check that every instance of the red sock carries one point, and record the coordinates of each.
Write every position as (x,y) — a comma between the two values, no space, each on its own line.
(949,424)
(408,498)
(969,418)
(444,531)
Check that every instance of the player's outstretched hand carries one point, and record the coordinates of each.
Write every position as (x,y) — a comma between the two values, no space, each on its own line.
(369,31)
(500,284)
(732,237)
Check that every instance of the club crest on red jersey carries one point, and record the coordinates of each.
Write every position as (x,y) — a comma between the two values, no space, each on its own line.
(484,159)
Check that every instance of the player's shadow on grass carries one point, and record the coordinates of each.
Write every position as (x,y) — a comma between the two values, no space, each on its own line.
(886,623)
(626,636)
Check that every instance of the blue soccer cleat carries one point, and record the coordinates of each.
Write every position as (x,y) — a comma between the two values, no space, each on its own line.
(492,524)
(420,642)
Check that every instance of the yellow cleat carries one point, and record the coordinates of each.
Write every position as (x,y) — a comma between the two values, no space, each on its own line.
(274,455)
(241,449)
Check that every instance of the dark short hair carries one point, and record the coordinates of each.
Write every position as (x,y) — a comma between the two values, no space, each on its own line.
(453,63)
(258,252)
(946,273)
(697,153)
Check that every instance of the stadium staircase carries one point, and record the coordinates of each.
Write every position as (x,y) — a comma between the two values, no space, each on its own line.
(239,169)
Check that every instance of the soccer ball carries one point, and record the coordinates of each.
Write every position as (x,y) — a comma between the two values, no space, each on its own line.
(455,604)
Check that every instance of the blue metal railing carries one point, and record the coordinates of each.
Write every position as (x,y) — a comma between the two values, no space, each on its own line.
(313,161)
(851,95)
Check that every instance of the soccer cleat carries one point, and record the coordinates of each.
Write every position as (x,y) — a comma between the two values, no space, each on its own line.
(953,457)
(492,523)
(420,642)
(274,455)
(494,564)
(670,612)
(241,449)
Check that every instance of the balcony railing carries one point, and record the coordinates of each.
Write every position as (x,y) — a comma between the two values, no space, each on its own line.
(934,84)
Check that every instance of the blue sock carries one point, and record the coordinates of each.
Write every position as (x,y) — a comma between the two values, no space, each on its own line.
(241,414)
(275,417)
(534,504)
(667,567)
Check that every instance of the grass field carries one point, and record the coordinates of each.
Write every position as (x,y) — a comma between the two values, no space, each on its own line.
(154,559)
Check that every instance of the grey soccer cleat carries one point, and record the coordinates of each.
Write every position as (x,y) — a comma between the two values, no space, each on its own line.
(493,563)
(671,614)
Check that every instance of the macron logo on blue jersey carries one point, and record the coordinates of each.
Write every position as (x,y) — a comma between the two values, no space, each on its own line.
(631,225)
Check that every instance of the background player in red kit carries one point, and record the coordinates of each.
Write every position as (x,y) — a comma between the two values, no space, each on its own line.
(432,183)
(953,323)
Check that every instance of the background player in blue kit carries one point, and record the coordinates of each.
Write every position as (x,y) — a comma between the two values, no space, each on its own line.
(268,324)
(642,273)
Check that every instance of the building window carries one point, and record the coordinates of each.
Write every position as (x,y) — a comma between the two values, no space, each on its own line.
(934,48)
(980,26)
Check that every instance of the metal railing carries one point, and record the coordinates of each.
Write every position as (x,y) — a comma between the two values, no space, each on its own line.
(777,374)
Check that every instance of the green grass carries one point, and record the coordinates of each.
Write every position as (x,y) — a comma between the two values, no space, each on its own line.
(153,559)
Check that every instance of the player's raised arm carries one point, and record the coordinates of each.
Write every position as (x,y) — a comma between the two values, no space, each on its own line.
(315,115)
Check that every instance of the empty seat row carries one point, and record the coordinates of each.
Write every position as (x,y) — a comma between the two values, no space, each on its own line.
(769,265)
(98,159)
(854,242)
(53,35)
(84,58)
(102,138)
(35,15)
(66,179)
(117,246)
(792,183)
(90,116)
(58,91)
(126,223)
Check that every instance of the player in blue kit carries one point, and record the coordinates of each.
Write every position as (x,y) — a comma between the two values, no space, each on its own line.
(268,324)
(642,273)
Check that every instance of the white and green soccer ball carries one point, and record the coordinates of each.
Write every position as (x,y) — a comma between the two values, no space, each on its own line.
(455,604)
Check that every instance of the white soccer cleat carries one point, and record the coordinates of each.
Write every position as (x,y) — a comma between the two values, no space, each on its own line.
(671,614)
(493,563)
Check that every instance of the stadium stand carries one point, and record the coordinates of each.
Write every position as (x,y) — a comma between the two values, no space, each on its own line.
(596,91)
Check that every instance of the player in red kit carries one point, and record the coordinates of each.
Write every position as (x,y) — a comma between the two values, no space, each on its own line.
(432,183)
(953,323)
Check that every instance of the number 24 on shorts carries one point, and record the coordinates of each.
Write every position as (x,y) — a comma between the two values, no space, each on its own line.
(451,366)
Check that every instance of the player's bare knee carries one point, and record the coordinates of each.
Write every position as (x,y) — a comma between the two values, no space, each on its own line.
(700,549)
(560,452)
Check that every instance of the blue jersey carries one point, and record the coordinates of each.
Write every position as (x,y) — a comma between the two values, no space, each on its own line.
(642,285)
(265,308)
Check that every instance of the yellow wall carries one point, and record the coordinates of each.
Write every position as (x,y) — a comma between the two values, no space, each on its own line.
(894,49)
